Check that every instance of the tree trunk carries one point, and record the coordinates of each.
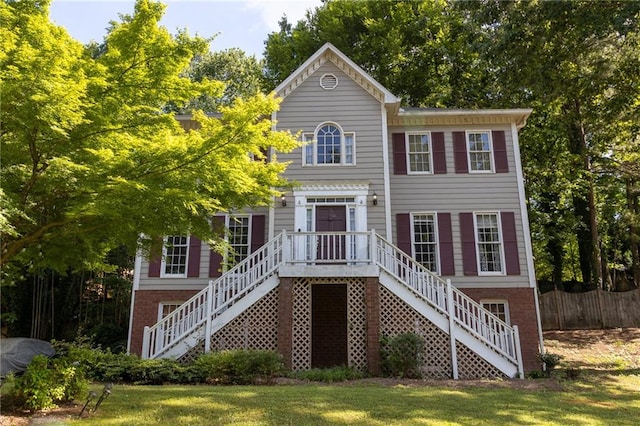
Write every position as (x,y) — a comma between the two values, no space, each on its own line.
(588,237)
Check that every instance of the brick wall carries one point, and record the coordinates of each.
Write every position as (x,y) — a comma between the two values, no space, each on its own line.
(145,311)
(522,312)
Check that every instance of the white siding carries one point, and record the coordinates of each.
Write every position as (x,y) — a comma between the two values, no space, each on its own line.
(355,110)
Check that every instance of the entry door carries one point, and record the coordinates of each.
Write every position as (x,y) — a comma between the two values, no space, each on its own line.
(331,219)
(328,325)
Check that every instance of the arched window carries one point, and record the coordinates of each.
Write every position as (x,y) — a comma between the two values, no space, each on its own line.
(329,145)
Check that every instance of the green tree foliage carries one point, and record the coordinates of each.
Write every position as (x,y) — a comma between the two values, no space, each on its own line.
(415,48)
(575,63)
(241,74)
(90,158)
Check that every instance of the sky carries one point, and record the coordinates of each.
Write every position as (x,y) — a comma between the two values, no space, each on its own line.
(244,24)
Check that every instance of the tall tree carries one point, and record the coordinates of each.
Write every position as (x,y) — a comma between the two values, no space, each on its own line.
(91,160)
(415,48)
(563,57)
(241,75)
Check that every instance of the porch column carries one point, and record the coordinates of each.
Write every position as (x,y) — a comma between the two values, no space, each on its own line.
(285,320)
(372,300)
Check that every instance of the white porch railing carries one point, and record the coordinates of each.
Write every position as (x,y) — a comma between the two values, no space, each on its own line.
(317,248)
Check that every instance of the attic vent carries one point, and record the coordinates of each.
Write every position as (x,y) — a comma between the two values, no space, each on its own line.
(328,81)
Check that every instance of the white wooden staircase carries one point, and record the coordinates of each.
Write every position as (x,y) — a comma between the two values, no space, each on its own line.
(461,318)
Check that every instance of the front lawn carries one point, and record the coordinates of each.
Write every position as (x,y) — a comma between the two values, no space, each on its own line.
(604,400)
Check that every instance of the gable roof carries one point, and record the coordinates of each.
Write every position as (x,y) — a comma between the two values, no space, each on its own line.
(328,52)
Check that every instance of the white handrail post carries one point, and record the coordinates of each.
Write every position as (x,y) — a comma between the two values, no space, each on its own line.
(208,313)
(516,337)
(145,342)
(452,334)
(286,248)
(373,249)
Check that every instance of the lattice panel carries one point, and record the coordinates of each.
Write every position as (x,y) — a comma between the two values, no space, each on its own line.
(255,328)
(301,329)
(357,324)
(192,354)
(473,366)
(396,317)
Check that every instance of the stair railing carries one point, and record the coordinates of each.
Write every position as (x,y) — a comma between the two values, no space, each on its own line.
(467,313)
(226,290)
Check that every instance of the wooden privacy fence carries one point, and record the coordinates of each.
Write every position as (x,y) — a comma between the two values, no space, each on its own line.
(593,309)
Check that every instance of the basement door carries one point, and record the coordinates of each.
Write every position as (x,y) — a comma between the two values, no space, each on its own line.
(328,325)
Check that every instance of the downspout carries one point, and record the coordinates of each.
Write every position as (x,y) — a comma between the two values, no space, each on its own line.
(136,285)
(385,168)
(527,232)
(272,220)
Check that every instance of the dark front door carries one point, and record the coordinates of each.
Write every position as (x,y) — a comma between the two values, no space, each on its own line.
(331,219)
(328,325)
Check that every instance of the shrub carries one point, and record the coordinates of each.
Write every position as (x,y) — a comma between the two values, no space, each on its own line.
(402,355)
(329,375)
(44,383)
(550,361)
(238,367)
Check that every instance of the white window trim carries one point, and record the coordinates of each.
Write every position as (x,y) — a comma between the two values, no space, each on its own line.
(167,302)
(312,139)
(406,144)
(491,155)
(507,314)
(163,265)
(477,242)
(437,237)
(227,221)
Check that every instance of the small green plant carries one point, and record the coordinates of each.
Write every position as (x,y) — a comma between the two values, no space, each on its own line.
(535,374)
(402,355)
(329,375)
(44,384)
(550,361)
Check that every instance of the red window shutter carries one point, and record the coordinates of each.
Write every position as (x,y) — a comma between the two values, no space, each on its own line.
(154,266)
(193,263)
(460,152)
(468,236)
(439,155)
(445,243)
(399,154)
(403,228)
(257,231)
(500,151)
(511,257)
(155,260)
(215,258)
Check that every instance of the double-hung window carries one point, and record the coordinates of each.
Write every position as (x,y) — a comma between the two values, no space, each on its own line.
(489,243)
(480,151)
(419,152)
(499,308)
(239,238)
(174,259)
(329,145)
(425,240)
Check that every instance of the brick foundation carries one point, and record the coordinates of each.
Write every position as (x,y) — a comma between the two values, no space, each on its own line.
(521,309)
(145,311)
(285,320)
(372,301)
(522,312)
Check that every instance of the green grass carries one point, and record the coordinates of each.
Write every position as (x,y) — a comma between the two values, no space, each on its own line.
(602,400)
